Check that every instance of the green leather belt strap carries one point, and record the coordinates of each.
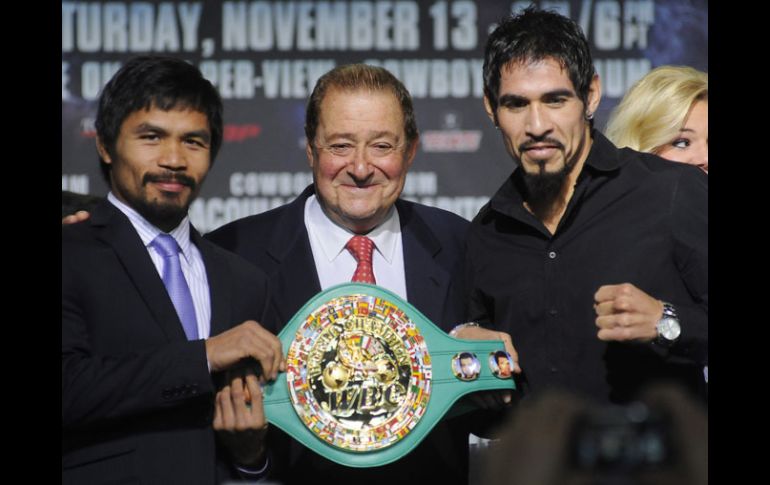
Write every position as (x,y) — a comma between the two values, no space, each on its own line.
(369,375)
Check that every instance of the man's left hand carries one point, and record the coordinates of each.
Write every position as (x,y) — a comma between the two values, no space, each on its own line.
(626,313)
(239,418)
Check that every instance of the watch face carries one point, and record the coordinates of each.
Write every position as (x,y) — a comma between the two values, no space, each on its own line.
(669,328)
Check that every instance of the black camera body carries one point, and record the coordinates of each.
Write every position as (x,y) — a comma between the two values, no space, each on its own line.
(621,439)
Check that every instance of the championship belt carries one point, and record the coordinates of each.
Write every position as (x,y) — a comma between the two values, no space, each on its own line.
(368,375)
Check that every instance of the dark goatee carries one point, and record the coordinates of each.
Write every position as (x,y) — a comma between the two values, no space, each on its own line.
(543,190)
(167,211)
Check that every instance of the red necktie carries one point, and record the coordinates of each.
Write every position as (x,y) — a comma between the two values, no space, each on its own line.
(361,247)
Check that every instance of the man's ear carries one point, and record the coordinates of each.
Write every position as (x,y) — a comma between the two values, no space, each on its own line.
(309,153)
(594,95)
(489,110)
(411,152)
(103,153)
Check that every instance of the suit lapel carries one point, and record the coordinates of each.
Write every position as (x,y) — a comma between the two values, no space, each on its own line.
(115,230)
(296,279)
(427,282)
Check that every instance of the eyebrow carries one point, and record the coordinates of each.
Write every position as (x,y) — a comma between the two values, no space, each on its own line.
(376,134)
(507,99)
(145,127)
(202,134)
(149,127)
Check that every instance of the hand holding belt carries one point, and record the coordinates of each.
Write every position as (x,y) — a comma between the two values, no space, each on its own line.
(368,375)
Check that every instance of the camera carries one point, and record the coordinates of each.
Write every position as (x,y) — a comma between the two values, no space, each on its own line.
(621,439)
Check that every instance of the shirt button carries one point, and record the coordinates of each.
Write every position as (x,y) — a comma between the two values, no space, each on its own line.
(554,370)
(553,312)
(552,255)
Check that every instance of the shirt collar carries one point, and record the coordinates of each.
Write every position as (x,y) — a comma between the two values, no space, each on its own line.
(332,238)
(603,156)
(148,232)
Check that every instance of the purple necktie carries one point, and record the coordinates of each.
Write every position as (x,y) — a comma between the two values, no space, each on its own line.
(175,283)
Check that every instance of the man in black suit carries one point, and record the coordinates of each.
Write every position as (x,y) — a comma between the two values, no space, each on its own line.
(143,327)
(361,139)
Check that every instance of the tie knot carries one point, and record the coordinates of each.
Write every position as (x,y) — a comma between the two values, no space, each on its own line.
(166,245)
(361,247)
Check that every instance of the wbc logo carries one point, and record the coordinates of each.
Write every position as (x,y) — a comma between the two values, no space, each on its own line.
(359,373)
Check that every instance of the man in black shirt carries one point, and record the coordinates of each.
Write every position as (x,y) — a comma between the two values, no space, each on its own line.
(593,259)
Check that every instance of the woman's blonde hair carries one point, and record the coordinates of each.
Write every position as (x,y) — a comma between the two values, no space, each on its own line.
(653,111)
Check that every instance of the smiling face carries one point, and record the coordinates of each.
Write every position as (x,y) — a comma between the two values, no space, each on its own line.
(159,162)
(691,145)
(359,157)
(541,118)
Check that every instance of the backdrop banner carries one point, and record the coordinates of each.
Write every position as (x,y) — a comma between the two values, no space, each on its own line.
(265,57)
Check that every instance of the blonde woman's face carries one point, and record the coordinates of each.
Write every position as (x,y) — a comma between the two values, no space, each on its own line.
(692,143)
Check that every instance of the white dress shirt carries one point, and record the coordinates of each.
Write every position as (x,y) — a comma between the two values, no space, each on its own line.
(336,265)
(191,261)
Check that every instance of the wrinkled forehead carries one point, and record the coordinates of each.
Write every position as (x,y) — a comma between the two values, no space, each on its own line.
(533,79)
(336,95)
(361,111)
(518,66)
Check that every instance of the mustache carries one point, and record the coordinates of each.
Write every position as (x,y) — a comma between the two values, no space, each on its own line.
(169,177)
(550,141)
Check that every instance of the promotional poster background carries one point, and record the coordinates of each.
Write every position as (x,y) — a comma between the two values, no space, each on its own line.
(265,56)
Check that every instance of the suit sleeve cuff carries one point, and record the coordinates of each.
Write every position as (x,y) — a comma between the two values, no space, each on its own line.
(254,473)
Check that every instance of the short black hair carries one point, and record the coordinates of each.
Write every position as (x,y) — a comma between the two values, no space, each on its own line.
(534,35)
(155,81)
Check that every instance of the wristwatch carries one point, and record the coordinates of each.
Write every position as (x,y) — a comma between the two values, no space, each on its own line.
(668,326)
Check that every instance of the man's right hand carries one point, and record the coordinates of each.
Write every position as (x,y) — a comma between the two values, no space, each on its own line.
(481,333)
(248,339)
(78,216)
(492,399)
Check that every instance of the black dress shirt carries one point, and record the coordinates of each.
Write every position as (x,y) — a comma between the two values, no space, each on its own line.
(633,218)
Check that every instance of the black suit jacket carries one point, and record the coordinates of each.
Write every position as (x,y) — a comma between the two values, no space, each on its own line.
(137,397)
(433,241)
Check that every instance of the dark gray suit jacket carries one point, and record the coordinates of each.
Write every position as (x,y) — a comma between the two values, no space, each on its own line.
(137,397)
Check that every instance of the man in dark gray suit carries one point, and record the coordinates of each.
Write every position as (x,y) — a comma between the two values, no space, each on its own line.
(150,309)
(361,140)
